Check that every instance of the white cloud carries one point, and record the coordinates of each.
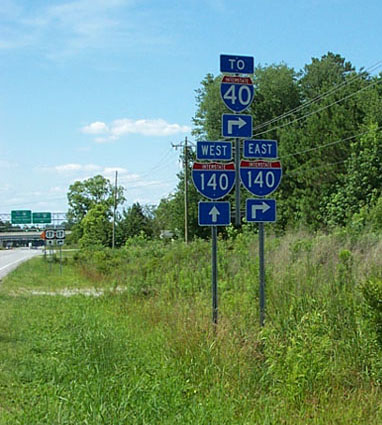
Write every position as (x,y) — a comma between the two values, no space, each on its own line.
(69,27)
(75,168)
(146,127)
(96,127)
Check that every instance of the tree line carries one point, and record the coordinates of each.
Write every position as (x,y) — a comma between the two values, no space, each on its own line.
(327,120)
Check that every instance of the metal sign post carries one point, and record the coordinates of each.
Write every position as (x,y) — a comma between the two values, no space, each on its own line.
(237,183)
(261,274)
(214,214)
(60,260)
(214,258)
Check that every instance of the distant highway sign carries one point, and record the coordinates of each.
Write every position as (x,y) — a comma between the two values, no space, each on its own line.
(42,217)
(21,217)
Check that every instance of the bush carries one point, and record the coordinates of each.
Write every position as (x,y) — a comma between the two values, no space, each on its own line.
(372,292)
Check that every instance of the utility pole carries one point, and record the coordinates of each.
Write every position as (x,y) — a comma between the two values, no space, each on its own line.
(185,191)
(115,208)
(185,147)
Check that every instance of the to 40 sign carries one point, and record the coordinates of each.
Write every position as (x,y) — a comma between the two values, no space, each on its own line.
(236,92)
(260,177)
(213,180)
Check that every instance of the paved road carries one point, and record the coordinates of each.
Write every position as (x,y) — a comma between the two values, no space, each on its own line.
(11,258)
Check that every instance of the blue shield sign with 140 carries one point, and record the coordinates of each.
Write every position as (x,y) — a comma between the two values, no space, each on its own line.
(213,180)
(236,92)
(261,178)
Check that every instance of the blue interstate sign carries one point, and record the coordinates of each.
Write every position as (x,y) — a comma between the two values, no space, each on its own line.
(236,92)
(213,180)
(214,151)
(261,178)
(260,210)
(235,64)
(260,149)
(234,125)
(214,213)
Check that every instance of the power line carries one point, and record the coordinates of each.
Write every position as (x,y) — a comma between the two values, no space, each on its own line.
(300,170)
(318,97)
(329,144)
(318,110)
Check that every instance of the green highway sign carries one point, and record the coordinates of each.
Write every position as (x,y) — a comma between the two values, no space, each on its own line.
(42,217)
(21,217)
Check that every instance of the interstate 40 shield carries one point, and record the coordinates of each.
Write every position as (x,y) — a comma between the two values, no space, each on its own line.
(213,180)
(261,178)
(236,92)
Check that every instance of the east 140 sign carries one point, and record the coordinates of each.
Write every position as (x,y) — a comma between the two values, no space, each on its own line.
(261,178)
(213,180)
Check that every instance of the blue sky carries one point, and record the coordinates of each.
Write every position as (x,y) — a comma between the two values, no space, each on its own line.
(92,86)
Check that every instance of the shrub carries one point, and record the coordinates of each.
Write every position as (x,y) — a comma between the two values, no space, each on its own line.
(372,292)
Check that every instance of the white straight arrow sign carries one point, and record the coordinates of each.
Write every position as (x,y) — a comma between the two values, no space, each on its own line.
(214,213)
(263,207)
(238,121)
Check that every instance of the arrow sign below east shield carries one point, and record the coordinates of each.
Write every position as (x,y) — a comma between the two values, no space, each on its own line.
(260,210)
(263,207)
(234,125)
(214,213)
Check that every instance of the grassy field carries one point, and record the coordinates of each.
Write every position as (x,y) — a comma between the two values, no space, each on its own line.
(144,350)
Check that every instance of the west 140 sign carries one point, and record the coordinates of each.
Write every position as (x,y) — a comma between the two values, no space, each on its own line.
(213,180)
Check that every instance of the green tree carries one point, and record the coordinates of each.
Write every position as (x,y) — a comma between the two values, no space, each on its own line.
(313,158)
(96,227)
(361,186)
(133,222)
(84,195)
(207,119)
(276,93)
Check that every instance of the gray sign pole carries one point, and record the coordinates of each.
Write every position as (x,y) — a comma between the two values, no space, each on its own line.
(60,259)
(237,182)
(50,258)
(214,276)
(262,274)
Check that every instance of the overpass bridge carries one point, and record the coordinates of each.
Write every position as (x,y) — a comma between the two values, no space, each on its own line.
(25,238)
(21,235)
(8,239)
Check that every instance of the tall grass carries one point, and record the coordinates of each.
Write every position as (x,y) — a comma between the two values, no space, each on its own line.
(150,355)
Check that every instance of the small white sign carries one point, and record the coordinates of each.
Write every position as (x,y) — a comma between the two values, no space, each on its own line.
(60,234)
(50,242)
(50,234)
(60,242)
